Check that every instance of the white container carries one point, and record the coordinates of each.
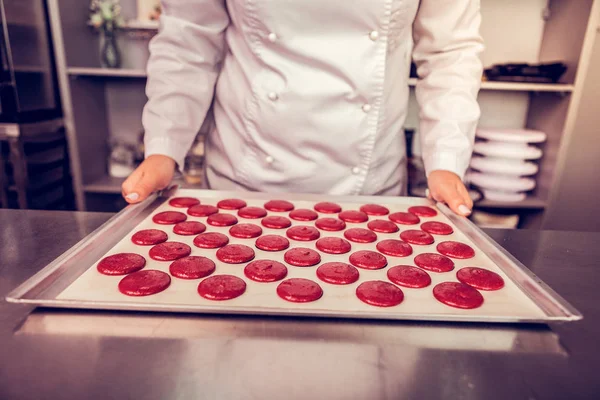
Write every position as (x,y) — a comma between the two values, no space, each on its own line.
(501,183)
(513,151)
(503,166)
(512,135)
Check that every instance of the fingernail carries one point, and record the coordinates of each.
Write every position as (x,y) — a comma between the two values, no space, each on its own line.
(464,210)
(426,192)
(132,196)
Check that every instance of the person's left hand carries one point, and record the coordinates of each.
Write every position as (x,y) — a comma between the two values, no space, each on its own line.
(447,187)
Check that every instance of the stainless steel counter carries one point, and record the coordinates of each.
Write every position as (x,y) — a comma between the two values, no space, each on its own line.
(60,354)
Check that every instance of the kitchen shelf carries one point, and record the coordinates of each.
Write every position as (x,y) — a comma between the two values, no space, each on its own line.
(107,72)
(519,86)
(106,184)
(531,203)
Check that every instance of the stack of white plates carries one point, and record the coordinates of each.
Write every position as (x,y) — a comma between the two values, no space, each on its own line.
(504,162)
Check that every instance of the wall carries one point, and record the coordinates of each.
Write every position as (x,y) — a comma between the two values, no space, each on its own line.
(576,204)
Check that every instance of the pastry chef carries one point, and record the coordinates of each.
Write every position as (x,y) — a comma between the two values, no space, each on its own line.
(311,95)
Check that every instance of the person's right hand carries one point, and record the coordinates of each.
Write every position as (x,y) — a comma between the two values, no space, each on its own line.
(154,173)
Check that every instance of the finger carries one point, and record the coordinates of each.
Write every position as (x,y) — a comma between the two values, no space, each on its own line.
(143,188)
(464,193)
(455,200)
(127,188)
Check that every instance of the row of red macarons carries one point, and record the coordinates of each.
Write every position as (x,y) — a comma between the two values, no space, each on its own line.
(265,270)
(330,224)
(169,251)
(378,293)
(194,208)
(326,207)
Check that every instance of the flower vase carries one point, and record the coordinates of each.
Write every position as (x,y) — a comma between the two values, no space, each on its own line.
(111,57)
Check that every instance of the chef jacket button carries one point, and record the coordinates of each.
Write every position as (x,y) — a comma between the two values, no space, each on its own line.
(272,37)
(374,35)
(366,108)
(356,170)
(269,159)
(273,96)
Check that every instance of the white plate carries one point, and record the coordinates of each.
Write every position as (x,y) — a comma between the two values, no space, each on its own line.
(505,197)
(504,166)
(512,135)
(508,150)
(501,182)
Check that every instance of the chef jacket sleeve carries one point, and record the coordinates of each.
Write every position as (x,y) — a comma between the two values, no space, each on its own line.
(183,67)
(447,45)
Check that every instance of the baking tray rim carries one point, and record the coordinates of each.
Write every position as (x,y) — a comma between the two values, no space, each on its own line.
(554,306)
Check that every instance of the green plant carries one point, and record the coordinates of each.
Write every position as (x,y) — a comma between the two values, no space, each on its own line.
(105,14)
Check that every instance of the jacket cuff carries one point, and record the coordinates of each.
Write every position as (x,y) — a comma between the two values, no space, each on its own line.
(166,147)
(446,161)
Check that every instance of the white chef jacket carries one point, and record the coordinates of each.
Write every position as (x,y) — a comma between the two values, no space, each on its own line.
(311,95)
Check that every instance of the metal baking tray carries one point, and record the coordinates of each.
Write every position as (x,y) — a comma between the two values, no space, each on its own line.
(44,288)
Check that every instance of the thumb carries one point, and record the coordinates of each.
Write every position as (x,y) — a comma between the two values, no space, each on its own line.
(140,190)
(455,200)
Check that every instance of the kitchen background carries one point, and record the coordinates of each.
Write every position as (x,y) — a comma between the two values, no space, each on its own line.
(72,93)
